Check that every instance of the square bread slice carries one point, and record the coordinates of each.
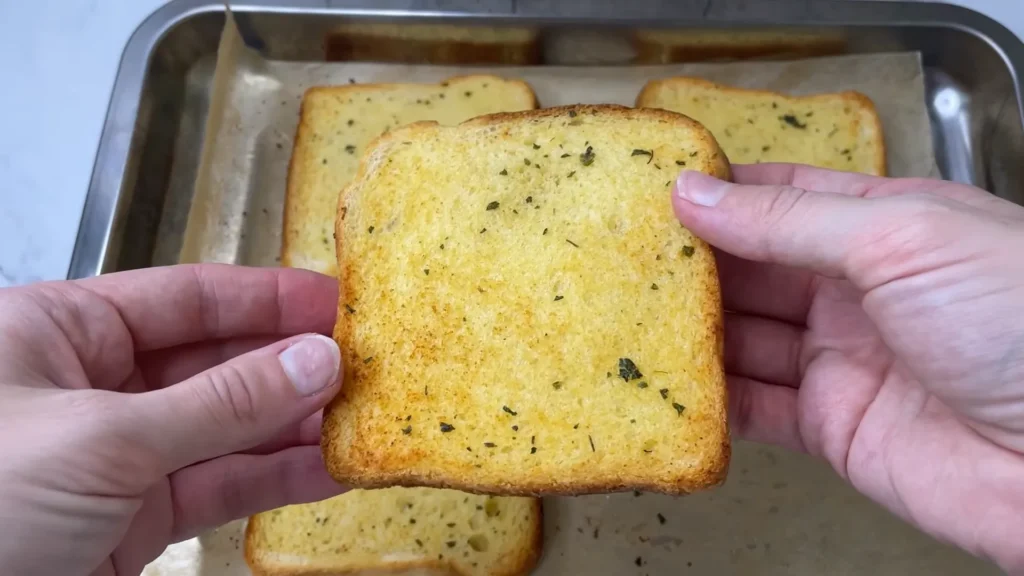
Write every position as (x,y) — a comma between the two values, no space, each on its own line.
(336,125)
(433,43)
(418,531)
(520,312)
(841,131)
(667,46)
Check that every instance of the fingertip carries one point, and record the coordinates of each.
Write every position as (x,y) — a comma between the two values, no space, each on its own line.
(699,188)
(312,364)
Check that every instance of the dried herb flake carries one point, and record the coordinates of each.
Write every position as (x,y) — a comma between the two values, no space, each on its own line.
(559,297)
(446,427)
(493,205)
(661,518)
(654,286)
(587,158)
(503,172)
(557,385)
(628,370)
(648,153)
(509,410)
(792,121)
(679,408)
(664,393)
(407,430)
(573,243)
(689,251)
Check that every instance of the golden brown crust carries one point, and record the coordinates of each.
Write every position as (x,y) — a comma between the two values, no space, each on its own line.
(713,472)
(648,94)
(291,178)
(650,50)
(298,152)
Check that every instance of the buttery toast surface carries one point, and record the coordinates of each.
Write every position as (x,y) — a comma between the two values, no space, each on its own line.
(521,313)
(841,131)
(336,125)
(399,531)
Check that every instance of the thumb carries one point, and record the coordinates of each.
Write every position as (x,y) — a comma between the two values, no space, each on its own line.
(781,224)
(241,403)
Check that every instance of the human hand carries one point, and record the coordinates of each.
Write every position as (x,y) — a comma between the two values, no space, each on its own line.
(137,409)
(878,323)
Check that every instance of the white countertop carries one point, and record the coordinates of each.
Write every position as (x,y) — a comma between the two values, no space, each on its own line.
(59,59)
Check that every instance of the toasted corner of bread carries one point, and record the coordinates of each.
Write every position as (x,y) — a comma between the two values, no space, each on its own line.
(520,312)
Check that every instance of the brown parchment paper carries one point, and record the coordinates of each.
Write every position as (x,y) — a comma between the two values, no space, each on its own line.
(778,513)
(236,211)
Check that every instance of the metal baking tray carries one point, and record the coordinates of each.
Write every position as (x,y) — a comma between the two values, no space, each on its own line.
(779,513)
(150,145)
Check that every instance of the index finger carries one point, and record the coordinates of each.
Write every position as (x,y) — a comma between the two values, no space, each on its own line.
(808,178)
(860,185)
(175,305)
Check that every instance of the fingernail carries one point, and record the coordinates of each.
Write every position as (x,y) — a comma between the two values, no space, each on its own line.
(700,188)
(311,364)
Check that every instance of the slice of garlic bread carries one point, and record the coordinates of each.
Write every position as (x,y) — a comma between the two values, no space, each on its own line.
(840,131)
(336,125)
(521,313)
(399,531)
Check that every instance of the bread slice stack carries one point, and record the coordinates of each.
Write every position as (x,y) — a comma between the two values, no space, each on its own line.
(521,313)
(399,530)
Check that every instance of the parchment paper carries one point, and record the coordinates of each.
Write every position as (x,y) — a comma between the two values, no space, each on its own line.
(779,512)
(236,211)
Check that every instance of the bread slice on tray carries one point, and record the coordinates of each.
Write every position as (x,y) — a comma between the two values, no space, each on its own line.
(409,531)
(666,46)
(433,43)
(336,125)
(521,313)
(841,131)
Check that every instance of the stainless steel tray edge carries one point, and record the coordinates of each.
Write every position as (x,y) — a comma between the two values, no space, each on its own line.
(124,126)
(106,186)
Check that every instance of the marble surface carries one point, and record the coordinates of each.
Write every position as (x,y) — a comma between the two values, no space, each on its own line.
(59,59)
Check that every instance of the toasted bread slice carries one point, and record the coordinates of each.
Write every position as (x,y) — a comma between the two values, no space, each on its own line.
(521,313)
(710,44)
(841,131)
(433,43)
(336,125)
(409,531)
